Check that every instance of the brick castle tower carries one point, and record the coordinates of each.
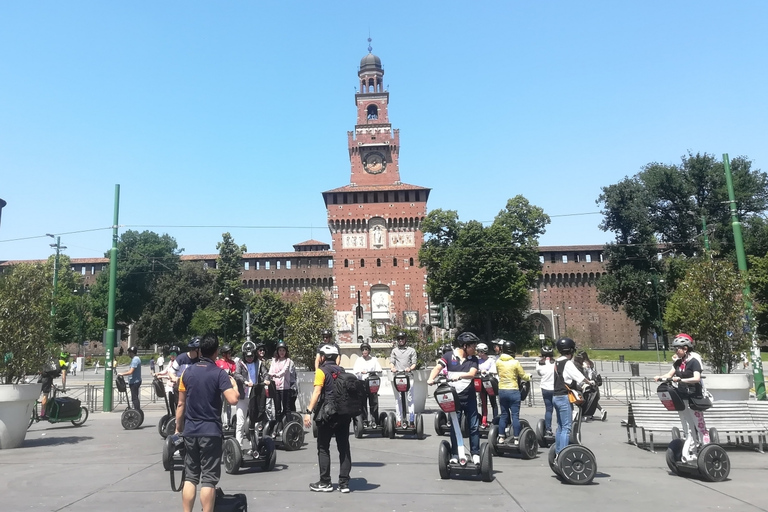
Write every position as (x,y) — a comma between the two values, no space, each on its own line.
(375,223)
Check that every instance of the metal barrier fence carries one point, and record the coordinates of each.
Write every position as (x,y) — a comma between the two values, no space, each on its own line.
(92,396)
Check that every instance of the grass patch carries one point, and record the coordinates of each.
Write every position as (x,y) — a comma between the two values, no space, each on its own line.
(635,356)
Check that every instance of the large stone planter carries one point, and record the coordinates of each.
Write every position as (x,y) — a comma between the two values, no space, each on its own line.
(16,403)
(728,386)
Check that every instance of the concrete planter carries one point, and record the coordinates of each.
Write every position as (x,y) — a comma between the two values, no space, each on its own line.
(728,386)
(16,403)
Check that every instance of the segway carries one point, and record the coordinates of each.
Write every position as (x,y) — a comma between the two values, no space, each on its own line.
(575,464)
(691,457)
(174,451)
(486,386)
(287,431)
(448,401)
(525,445)
(402,382)
(544,438)
(167,424)
(365,423)
(131,419)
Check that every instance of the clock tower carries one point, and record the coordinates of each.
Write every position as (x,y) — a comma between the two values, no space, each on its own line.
(375,223)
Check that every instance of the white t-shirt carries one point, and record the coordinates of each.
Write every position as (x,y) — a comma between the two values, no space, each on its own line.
(547,373)
(361,365)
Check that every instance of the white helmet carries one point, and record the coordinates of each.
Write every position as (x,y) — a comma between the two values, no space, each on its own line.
(329,350)
(482,347)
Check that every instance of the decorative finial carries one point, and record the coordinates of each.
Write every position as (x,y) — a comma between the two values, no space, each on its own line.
(370,49)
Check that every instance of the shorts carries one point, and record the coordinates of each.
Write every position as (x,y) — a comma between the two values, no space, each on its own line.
(202,463)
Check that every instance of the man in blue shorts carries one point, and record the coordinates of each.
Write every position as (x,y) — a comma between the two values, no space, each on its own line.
(198,416)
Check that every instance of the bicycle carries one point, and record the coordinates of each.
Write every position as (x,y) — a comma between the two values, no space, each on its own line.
(59,410)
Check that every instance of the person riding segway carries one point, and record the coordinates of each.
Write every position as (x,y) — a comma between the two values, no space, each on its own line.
(546,370)
(286,428)
(488,386)
(573,463)
(512,435)
(403,361)
(681,390)
(456,397)
(368,369)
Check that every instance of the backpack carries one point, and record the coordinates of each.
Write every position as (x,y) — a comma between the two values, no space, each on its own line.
(230,502)
(348,395)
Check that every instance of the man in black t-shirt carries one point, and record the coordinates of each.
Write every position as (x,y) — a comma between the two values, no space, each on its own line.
(198,416)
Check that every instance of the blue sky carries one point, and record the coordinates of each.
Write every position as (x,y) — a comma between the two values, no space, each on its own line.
(236,113)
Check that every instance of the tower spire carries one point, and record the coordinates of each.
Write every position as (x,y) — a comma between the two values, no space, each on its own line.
(370,48)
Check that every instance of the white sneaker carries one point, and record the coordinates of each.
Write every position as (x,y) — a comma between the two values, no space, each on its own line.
(454,460)
(476,459)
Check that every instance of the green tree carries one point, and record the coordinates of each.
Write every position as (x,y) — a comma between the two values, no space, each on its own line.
(708,304)
(485,271)
(230,296)
(269,317)
(308,317)
(660,210)
(176,296)
(758,280)
(25,321)
(141,259)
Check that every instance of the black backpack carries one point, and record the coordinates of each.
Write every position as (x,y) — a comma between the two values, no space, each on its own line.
(230,502)
(348,395)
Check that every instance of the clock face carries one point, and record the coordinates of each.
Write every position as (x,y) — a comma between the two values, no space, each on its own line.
(374,163)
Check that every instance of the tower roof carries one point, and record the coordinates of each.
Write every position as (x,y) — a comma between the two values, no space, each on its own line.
(370,63)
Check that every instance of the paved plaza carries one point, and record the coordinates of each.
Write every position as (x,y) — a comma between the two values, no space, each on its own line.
(101,466)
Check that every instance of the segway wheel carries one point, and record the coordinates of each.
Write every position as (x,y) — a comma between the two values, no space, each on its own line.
(440,419)
(268,453)
(161,425)
(486,463)
(714,463)
(528,446)
(392,425)
(551,459)
(676,433)
(541,428)
(314,429)
(674,454)
(141,413)
(714,436)
(130,419)
(83,416)
(464,426)
(493,438)
(358,426)
(168,455)
(578,465)
(293,436)
(233,456)
(524,424)
(443,457)
(420,427)
(170,427)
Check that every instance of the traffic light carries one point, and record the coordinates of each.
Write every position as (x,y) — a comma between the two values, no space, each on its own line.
(435,315)
(451,315)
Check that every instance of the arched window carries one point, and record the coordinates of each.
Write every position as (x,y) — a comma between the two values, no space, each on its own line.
(362,263)
(378,262)
(410,262)
(346,263)
(394,262)
(373,112)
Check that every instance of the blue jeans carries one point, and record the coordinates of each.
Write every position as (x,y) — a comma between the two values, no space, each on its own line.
(468,406)
(563,434)
(547,395)
(510,402)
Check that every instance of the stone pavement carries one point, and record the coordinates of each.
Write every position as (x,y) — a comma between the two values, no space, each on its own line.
(101,466)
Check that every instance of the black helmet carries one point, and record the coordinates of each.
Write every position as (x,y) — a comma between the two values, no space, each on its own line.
(465,338)
(326,332)
(281,344)
(174,350)
(509,347)
(365,346)
(566,345)
(194,343)
(546,351)
(401,337)
(132,350)
(225,349)
(249,349)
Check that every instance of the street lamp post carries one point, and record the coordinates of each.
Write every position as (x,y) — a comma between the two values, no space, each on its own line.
(58,248)
(660,334)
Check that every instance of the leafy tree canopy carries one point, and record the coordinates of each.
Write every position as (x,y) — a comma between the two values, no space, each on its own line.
(485,271)
(708,305)
(229,299)
(308,317)
(269,318)
(661,210)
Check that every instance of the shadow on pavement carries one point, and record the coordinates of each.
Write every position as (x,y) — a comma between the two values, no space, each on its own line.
(54,441)
(368,464)
(361,484)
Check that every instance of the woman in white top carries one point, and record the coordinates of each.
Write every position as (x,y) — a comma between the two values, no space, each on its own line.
(280,373)
(364,365)
(546,370)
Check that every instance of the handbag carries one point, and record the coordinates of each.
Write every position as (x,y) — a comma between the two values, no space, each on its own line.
(230,502)
(575,396)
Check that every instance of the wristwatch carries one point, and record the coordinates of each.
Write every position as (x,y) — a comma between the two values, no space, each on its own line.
(308,412)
